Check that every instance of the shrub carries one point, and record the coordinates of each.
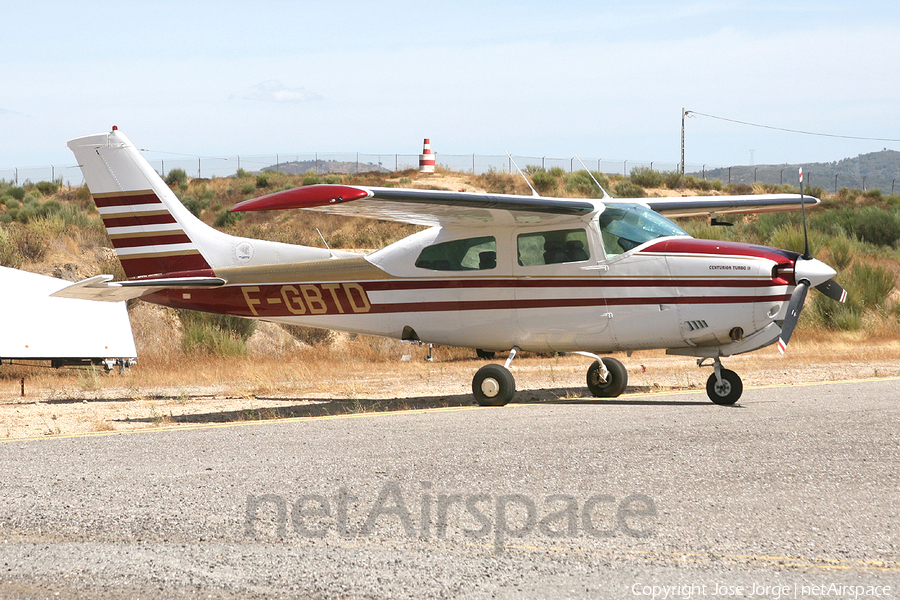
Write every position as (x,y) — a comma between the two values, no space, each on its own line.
(227,219)
(543,181)
(557,172)
(47,188)
(877,226)
(674,180)
(841,249)
(262,180)
(177,177)
(646,177)
(334,178)
(9,250)
(310,178)
(194,205)
(626,189)
(871,284)
(216,335)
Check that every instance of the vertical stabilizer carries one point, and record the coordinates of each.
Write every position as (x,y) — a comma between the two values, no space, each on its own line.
(152,232)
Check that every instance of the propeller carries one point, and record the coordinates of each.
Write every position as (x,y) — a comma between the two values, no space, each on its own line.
(807,272)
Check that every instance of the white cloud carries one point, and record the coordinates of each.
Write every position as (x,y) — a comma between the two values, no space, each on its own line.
(275,91)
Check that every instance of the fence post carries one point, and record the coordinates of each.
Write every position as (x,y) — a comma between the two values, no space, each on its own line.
(625,168)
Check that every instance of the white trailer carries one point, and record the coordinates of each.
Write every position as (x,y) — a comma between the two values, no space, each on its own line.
(64,331)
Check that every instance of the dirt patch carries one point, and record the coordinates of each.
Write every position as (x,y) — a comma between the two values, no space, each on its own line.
(313,382)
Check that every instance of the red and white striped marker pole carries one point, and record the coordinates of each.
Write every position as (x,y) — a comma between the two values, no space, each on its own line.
(426,159)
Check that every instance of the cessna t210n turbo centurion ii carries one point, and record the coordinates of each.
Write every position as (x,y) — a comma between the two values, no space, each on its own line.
(493,272)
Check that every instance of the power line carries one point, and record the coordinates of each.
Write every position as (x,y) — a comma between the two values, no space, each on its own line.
(846,137)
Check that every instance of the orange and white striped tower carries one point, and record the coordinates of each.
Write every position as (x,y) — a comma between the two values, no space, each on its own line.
(426,159)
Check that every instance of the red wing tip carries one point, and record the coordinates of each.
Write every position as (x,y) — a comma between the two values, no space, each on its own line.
(309,196)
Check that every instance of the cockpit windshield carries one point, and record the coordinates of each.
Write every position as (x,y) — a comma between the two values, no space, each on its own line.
(626,226)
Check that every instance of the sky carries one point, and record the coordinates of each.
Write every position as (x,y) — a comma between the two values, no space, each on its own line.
(598,79)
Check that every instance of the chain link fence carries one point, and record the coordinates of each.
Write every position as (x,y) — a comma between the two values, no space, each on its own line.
(324,163)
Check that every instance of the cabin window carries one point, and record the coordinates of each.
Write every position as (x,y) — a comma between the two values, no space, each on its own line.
(472,254)
(553,247)
(626,226)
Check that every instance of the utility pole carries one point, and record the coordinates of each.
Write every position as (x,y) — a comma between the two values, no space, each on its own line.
(683,115)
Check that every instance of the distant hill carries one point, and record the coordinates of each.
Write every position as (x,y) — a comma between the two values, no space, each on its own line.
(876,170)
(324,167)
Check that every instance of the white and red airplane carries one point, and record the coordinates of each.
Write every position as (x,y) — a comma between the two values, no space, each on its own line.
(493,272)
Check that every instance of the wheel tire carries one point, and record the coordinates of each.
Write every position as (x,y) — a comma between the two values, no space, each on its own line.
(615,381)
(726,393)
(485,354)
(493,385)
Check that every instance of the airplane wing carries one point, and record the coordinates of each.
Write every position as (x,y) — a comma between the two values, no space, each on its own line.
(693,206)
(437,207)
(424,207)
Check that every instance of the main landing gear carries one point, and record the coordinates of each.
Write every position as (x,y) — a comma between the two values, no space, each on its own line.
(494,385)
(723,387)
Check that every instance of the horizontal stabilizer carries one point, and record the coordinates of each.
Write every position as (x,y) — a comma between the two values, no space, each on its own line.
(103,288)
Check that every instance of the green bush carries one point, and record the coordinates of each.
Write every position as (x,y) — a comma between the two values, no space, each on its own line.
(262,180)
(9,250)
(871,284)
(647,177)
(626,189)
(310,178)
(877,226)
(227,219)
(177,177)
(543,181)
(47,188)
(215,335)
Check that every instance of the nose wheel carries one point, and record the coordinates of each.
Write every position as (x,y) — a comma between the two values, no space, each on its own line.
(723,387)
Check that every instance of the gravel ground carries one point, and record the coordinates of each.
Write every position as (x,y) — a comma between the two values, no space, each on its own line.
(569,498)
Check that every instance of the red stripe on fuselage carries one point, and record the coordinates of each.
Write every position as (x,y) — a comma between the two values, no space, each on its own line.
(682,245)
(332,298)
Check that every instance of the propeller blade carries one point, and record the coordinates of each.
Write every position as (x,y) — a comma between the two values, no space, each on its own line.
(833,290)
(793,313)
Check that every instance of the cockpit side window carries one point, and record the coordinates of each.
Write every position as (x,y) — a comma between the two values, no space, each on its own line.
(470,254)
(553,247)
(626,226)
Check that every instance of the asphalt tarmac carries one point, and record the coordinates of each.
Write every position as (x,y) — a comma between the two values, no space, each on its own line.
(792,493)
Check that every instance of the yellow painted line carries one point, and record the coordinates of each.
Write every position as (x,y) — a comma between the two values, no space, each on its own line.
(413,411)
(196,426)
(707,557)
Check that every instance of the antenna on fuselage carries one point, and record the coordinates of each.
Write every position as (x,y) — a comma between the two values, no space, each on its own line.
(605,193)
(327,247)
(528,183)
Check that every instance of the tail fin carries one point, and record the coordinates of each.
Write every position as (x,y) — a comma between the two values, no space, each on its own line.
(152,232)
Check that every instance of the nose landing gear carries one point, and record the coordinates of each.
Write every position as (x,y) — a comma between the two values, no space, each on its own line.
(723,387)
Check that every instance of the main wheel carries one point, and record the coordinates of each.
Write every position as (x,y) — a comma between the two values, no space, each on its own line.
(493,385)
(727,392)
(615,382)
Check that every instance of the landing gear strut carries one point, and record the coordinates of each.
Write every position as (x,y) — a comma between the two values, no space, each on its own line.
(723,387)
